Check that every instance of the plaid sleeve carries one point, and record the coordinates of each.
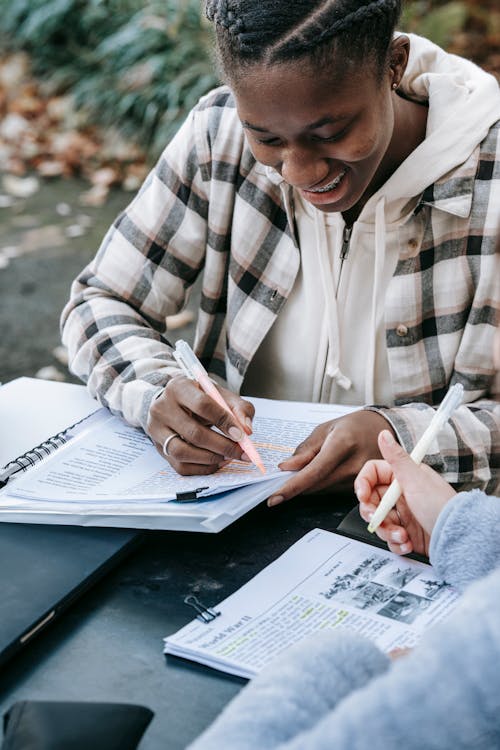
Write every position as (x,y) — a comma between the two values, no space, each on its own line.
(467,451)
(114,324)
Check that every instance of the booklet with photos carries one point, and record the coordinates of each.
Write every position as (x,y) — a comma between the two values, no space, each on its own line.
(325,580)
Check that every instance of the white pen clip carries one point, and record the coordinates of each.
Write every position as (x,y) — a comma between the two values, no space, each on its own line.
(451,401)
(185,358)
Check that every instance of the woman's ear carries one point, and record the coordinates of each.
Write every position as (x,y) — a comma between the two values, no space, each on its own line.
(398,59)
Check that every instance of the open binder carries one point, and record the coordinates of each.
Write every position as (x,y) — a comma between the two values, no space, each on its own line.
(103,472)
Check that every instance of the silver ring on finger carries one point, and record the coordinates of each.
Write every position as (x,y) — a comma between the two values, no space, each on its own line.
(167,441)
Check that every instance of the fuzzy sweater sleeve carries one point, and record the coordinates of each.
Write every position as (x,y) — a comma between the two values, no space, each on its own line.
(299,689)
(445,694)
(465,543)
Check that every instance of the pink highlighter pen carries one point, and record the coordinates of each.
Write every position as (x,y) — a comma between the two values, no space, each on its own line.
(194,370)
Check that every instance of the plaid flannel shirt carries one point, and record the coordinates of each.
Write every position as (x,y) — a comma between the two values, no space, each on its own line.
(208,207)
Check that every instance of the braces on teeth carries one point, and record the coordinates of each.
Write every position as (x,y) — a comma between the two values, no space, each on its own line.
(330,186)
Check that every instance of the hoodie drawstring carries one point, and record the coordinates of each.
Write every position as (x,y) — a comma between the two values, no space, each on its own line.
(331,312)
(378,268)
(331,315)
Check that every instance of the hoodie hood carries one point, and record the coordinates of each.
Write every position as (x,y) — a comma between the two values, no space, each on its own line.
(464,102)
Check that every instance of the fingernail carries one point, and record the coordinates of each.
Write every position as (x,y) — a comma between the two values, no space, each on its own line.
(405,548)
(248,423)
(235,434)
(396,536)
(275,500)
(387,437)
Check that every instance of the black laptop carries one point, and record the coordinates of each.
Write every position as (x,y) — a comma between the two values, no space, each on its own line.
(43,569)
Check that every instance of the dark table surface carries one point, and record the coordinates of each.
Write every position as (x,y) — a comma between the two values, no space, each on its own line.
(108,646)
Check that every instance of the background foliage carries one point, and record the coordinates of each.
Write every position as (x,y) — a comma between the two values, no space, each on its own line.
(139,65)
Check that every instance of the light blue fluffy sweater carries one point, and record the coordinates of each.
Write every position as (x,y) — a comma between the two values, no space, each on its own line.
(340,692)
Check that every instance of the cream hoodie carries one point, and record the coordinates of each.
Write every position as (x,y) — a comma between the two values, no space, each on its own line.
(344,359)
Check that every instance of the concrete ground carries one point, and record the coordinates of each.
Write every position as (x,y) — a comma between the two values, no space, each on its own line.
(45,240)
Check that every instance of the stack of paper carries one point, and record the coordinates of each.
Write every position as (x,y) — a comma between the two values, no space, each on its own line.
(109,473)
(324,581)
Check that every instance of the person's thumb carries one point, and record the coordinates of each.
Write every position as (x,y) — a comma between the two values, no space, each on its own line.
(243,410)
(404,468)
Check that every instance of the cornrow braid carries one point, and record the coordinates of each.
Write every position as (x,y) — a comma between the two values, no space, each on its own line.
(249,31)
(219,12)
(319,27)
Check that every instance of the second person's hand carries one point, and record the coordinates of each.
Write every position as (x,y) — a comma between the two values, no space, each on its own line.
(183,415)
(408,526)
(332,455)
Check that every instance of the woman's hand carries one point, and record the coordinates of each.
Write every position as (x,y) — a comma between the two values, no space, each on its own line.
(332,455)
(408,526)
(185,414)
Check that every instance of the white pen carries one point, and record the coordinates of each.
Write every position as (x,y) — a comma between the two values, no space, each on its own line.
(451,401)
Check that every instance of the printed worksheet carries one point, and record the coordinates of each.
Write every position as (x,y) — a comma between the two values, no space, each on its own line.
(107,460)
(324,581)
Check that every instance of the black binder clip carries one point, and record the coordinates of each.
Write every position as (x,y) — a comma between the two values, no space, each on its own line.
(189,496)
(205,614)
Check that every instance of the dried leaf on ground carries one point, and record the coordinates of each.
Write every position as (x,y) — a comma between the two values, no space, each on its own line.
(42,133)
(179,320)
(50,373)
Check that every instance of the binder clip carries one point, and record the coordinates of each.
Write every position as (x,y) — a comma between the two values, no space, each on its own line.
(205,614)
(189,496)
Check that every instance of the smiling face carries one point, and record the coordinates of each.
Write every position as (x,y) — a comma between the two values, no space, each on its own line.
(329,138)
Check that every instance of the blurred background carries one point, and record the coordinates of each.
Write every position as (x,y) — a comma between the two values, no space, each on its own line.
(90,93)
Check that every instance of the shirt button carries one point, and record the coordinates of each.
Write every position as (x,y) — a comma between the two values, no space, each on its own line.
(401,330)
(413,243)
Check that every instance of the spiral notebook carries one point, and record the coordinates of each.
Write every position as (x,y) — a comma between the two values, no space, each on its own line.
(32,456)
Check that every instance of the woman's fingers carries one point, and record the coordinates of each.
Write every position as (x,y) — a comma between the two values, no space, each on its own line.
(243,410)
(184,415)
(374,475)
(199,407)
(392,531)
(400,549)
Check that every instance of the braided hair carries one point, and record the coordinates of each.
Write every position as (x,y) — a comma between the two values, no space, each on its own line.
(274,31)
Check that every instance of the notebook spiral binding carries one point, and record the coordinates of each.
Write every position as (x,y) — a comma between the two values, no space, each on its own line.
(26,460)
(31,457)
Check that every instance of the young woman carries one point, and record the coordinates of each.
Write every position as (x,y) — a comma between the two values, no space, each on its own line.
(339,198)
